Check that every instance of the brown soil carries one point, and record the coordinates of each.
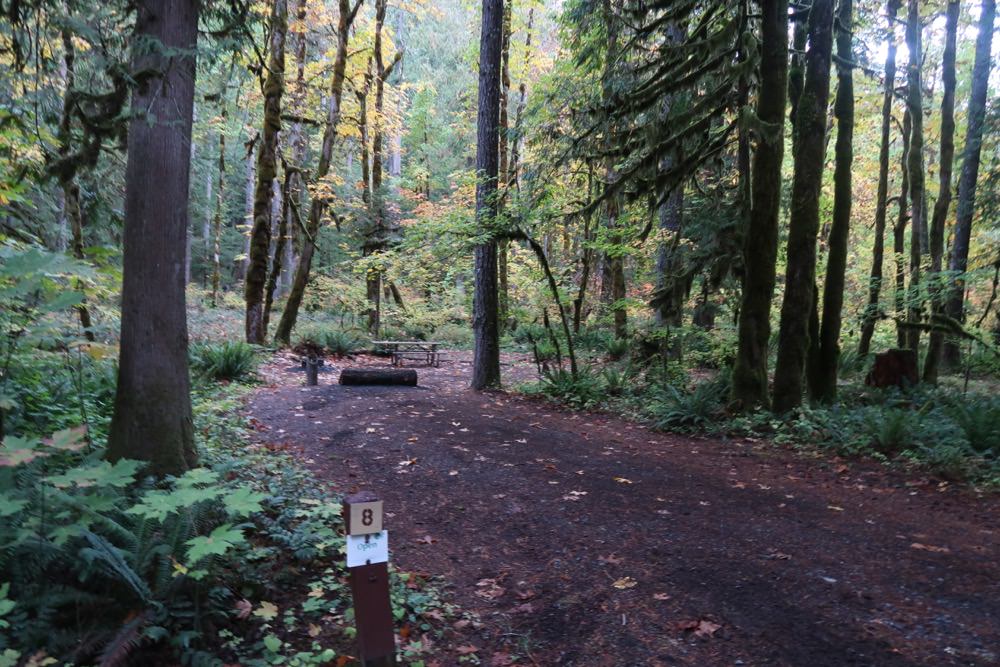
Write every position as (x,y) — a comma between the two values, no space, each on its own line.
(583,539)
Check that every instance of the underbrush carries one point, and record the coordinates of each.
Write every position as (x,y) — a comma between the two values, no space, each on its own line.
(328,340)
(227,361)
(952,435)
(238,561)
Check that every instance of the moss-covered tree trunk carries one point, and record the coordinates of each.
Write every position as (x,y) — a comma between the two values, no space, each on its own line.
(943,203)
(899,234)
(915,167)
(267,171)
(319,201)
(217,218)
(823,385)
(72,210)
(965,206)
(760,250)
(152,414)
(870,316)
(800,274)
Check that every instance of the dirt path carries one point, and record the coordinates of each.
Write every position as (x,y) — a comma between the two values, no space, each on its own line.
(586,540)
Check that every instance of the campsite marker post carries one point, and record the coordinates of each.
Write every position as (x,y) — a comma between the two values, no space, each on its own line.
(368,565)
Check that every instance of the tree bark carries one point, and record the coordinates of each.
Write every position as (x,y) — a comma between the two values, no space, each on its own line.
(760,250)
(943,203)
(152,415)
(72,211)
(319,202)
(899,234)
(800,274)
(217,220)
(260,235)
(970,170)
(870,316)
(486,355)
(915,167)
(823,386)
(503,246)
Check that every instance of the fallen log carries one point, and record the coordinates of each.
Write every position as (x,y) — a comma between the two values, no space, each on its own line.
(382,376)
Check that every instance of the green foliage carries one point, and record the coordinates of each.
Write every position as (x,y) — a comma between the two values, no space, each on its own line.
(92,543)
(616,348)
(685,408)
(327,339)
(583,391)
(978,418)
(228,361)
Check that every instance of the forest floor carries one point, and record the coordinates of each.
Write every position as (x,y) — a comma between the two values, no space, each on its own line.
(583,539)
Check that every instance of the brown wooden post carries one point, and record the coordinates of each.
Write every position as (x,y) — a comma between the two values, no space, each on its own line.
(369,581)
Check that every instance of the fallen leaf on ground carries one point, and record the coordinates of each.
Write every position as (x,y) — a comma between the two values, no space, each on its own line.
(835,508)
(314,630)
(701,627)
(243,609)
(661,596)
(625,582)
(930,547)
(426,539)
(622,480)
(489,589)
(267,611)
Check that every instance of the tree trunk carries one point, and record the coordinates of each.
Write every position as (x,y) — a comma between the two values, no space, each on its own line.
(260,235)
(297,142)
(279,251)
(915,167)
(943,203)
(800,274)
(613,270)
(318,204)
(486,355)
(899,234)
(503,245)
(217,220)
(970,170)
(248,190)
(870,316)
(760,250)
(670,284)
(824,385)
(72,212)
(152,415)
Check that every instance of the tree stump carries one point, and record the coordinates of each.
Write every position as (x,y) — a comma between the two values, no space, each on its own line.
(894,368)
(380,376)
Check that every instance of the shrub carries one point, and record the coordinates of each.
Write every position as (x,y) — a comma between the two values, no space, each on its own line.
(592,338)
(891,429)
(685,408)
(979,421)
(454,334)
(616,347)
(583,391)
(327,340)
(228,361)
(88,543)
(617,380)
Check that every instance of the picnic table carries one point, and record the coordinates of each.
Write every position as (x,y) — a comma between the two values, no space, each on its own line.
(411,349)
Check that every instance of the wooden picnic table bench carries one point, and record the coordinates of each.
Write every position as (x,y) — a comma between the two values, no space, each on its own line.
(426,350)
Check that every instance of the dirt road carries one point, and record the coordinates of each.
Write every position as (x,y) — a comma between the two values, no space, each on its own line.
(582,539)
